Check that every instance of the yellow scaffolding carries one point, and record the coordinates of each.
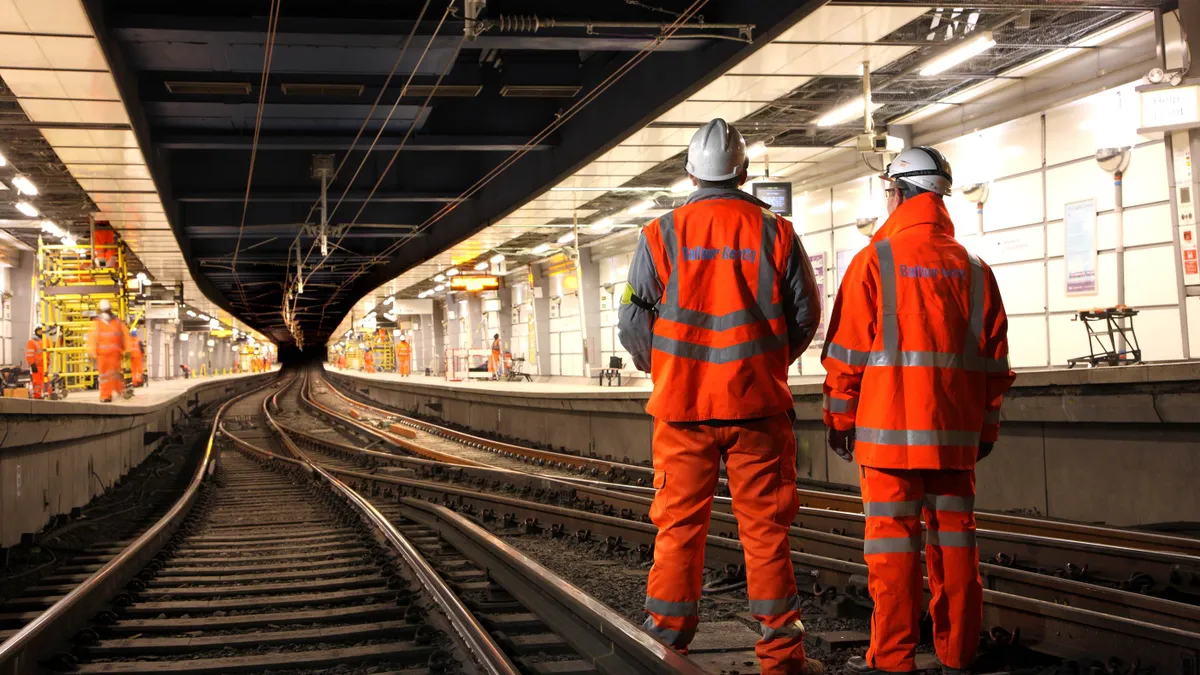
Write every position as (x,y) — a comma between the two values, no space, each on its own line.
(69,286)
(385,351)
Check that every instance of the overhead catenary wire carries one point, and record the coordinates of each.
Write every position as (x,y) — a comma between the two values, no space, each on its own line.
(566,116)
(268,51)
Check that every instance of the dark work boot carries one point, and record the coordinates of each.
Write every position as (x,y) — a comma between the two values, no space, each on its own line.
(857,665)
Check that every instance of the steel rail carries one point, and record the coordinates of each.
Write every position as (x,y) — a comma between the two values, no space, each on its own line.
(609,642)
(826,500)
(996,577)
(479,643)
(21,653)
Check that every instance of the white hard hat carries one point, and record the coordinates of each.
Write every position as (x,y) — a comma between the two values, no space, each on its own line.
(105,306)
(717,152)
(922,167)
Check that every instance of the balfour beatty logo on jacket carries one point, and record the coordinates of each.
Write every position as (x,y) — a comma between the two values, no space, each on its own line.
(701,254)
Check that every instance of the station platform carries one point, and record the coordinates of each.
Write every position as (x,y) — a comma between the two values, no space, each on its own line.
(157,394)
(58,455)
(1118,445)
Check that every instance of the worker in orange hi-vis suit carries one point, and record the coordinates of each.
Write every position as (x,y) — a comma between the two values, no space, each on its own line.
(137,358)
(404,357)
(34,357)
(917,361)
(721,300)
(369,361)
(494,361)
(107,343)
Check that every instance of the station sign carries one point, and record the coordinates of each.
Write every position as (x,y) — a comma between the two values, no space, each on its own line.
(474,284)
(1167,108)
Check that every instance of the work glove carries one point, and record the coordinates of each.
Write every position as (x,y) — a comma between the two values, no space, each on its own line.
(985,449)
(842,443)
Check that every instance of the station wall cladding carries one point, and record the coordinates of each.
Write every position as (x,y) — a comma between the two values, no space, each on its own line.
(1115,446)
(59,460)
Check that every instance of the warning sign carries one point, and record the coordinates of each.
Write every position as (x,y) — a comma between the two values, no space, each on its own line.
(1190,253)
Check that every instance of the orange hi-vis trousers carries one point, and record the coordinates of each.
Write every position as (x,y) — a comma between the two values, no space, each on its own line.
(760,460)
(112,379)
(894,501)
(137,365)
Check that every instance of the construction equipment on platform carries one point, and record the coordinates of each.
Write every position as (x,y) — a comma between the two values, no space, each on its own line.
(69,285)
(1114,344)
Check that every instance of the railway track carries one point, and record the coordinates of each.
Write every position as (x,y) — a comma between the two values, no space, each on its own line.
(1059,615)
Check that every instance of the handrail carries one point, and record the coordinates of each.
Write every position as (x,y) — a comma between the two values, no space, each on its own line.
(19,654)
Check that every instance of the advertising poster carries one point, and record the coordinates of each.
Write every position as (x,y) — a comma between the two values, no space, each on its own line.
(1079,223)
(818,264)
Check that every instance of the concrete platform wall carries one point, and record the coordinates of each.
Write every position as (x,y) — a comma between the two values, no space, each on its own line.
(68,453)
(1119,446)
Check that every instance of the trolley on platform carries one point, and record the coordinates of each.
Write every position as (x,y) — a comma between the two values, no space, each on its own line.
(1102,339)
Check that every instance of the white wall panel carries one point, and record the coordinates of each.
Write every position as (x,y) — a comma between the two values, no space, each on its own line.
(1150,277)
(1022,287)
(1147,225)
(1160,334)
(1008,246)
(1075,182)
(1193,314)
(1027,341)
(1068,339)
(812,212)
(1146,179)
(1014,202)
(849,238)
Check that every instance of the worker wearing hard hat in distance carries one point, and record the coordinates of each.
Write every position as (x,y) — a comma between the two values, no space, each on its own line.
(405,357)
(107,343)
(917,360)
(721,300)
(494,361)
(34,356)
(369,360)
(137,360)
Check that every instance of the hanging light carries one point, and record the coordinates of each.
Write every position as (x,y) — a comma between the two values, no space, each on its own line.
(540,249)
(566,238)
(498,258)
(28,209)
(24,185)
(141,276)
(481,266)
(439,288)
(204,317)
(440,278)
(684,185)
(640,207)
(757,150)
(452,272)
(211,342)
(191,313)
(183,337)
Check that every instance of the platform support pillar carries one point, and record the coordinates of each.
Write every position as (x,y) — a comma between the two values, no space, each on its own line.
(589,310)
(437,324)
(476,324)
(541,320)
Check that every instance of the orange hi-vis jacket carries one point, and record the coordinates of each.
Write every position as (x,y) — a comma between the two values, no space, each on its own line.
(33,353)
(721,299)
(108,340)
(917,348)
(404,349)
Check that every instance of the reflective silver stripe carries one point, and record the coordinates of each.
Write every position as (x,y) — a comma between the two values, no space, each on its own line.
(950,539)
(666,231)
(975,325)
(742,317)
(766,265)
(892,509)
(892,545)
(840,405)
(742,350)
(669,608)
(950,503)
(991,417)
(790,629)
(775,607)
(910,359)
(887,281)
(675,638)
(916,436)
(846,355)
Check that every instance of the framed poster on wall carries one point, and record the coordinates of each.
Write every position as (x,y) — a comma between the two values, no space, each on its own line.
(818,265)
(1081,257)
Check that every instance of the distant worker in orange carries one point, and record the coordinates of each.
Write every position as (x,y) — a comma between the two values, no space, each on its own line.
(107,343)
(721,300)
(494,361)
(404,357)
(137,358)
(35,357)
(917,360)
(369,360)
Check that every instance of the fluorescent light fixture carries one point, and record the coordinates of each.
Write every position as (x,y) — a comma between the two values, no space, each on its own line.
(452,272)
(602,226)
(498,258)
(540,249)
(204,317)
(566,238)
(141,276)
(684,185)
(28,209)
(851,111)
(389,300)
(212,342)
(968,48)
(183,337)
(214,324)
(439,288)
(24,185)
(440,278)
(3,161)
(757,150)
(191,313)
(481,266)
(640,207)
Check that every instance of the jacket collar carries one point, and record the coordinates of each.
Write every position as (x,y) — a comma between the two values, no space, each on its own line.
(926,208)
(724,193)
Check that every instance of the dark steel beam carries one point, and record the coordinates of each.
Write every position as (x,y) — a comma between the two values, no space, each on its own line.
(417,143)
(308,196)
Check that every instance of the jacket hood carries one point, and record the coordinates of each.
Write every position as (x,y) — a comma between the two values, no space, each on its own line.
(926,208)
